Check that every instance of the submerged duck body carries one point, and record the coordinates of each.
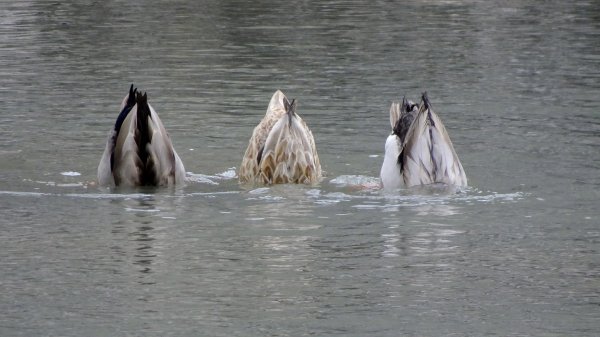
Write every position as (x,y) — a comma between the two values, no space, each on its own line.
(281,149)
(419,150)
(139,151)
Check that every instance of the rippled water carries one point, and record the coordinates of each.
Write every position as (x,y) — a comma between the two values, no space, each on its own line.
(516,253)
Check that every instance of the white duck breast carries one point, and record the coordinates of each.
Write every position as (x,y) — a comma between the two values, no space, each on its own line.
(282,148)
(139,151)
(422,153)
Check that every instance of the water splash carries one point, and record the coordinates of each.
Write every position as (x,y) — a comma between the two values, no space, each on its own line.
(228,174)
(365,193)
(358,181)
(70,174)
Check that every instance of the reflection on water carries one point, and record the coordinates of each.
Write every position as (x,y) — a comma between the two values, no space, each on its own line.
(437,210)
(135,238)
(140,235)
(516,84)
(281,205)
(434,241)
(420,243)
(144,254)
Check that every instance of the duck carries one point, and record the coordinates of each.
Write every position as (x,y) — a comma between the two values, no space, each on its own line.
(281,149)
(139,151)
(419,150)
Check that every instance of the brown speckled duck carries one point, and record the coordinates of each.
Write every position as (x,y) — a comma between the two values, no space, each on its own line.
(282,148)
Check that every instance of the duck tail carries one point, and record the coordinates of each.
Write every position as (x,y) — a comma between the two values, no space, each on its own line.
(129,104)
(131,97)
(405,107)
(143,138)
(290,109)
(426,104)
(425,100)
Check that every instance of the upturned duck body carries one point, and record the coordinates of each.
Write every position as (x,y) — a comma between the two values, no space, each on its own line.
(282,148)
(139,151)
(419,150)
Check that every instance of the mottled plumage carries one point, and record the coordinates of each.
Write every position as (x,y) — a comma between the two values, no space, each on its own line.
(282,148)
(419,150)
(139,151)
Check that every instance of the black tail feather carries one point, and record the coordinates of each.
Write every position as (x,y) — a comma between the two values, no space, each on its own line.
(427,107)
(405,107)
(425,99)
(131,98)
(406,119)
(143,137)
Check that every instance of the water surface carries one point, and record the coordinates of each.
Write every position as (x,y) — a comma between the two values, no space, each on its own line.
(516,253)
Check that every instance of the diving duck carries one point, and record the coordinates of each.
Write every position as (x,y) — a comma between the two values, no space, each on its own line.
(419,150)
(138,150)
(282,148)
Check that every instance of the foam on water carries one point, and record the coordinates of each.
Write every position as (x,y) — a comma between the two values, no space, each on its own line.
(362,193)
(443,197)
(70,174)
(211,179)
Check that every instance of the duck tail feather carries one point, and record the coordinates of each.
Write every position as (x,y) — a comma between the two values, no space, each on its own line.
(259,155)
(405,105)
(425,99)
(143,137)
(130,103)
(290,109)
(131,98)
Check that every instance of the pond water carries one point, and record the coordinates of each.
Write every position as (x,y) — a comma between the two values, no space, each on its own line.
(516,253)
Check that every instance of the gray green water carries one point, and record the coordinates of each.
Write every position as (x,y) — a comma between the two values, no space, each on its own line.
(516,254)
